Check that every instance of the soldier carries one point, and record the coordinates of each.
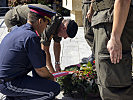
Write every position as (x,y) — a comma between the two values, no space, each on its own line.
(20,52)
(18,15)
(87,12)
(112,25)
(67,28)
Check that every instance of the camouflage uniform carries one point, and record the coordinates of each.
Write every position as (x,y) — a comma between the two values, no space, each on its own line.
(114,80)
(18,16)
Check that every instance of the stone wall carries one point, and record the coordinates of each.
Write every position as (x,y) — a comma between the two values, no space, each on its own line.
(76,10)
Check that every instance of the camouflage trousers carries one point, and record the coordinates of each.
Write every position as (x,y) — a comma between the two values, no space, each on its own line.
(114,80)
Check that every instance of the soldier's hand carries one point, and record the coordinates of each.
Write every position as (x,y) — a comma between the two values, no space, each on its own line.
(114,47)
(89,15)
(57,67)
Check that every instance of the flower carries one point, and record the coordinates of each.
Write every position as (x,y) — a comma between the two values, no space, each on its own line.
(82,80)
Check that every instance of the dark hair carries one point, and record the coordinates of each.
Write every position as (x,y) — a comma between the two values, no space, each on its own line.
(33,17)
(72,27)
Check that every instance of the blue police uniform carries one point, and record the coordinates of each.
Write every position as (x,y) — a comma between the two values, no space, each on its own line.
(20,52)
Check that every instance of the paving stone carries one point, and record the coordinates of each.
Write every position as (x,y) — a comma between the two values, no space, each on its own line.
(66,61)
(1,20)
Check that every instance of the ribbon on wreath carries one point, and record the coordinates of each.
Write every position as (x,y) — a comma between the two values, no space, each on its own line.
(63,73)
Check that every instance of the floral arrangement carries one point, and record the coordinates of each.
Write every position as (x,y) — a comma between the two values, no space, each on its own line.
(81,82)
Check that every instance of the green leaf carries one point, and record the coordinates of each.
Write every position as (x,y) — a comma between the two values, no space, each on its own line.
(89,64)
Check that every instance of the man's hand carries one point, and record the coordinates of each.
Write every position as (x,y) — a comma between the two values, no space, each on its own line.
(114,47)
(89,15)
(57,67)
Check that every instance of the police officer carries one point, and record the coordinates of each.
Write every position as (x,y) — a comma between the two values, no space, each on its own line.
(112,25)
(18,16)
(87,12)
(20,52)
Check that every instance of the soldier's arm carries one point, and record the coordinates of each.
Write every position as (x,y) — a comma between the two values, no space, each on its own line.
(57,49)
(121,9)
(90,12)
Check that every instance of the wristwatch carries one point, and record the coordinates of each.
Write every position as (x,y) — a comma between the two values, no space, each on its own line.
(57,62)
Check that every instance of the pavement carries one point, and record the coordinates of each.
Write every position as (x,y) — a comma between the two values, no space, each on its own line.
(72,50)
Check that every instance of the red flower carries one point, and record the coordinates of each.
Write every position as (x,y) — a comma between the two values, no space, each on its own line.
(87,75)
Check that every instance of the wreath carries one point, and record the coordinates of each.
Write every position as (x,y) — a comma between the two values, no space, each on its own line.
(80,81)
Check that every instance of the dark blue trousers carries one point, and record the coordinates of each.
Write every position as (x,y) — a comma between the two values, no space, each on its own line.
(30,88)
